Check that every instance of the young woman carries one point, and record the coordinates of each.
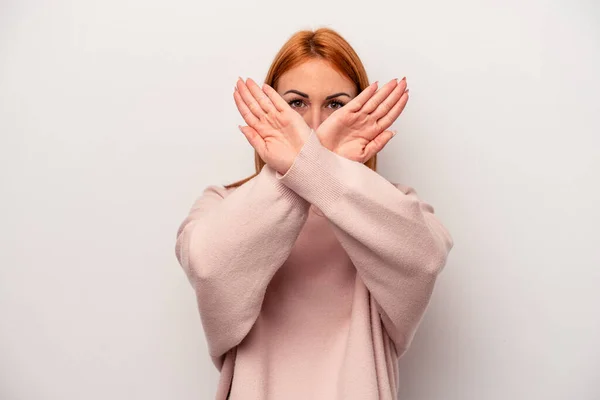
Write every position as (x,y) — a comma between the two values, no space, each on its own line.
(313,274)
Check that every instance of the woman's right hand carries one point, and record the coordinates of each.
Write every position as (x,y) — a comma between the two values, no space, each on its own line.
(275,130)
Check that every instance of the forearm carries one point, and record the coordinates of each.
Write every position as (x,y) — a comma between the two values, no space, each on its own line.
(231,246)
(393,238)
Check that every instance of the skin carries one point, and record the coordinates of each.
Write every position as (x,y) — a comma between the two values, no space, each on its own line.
(317,80)
(353,126)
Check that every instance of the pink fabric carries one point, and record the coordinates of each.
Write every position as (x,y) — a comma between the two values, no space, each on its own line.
(311,285)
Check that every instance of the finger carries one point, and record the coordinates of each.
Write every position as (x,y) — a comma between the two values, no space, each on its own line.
(378,143)
(250,101)
(388,119)
(263,100)
(275,97)
(390,101)
(254,139)
(379,97)
(359,101)
(244,110)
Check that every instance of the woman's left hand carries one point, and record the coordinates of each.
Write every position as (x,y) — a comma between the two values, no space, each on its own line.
(357,131)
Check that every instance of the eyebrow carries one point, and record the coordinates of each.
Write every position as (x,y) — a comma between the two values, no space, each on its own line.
(326,98)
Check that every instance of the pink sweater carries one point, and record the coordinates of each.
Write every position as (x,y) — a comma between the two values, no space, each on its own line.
(311,285)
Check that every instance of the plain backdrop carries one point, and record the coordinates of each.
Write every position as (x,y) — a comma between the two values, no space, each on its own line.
(115,115)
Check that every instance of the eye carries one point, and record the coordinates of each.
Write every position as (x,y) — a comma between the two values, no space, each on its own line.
(296,103)
(337,104)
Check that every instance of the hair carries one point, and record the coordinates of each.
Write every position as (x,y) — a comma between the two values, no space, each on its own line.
(306,45)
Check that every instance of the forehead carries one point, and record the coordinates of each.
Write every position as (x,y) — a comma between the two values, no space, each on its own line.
(316,78)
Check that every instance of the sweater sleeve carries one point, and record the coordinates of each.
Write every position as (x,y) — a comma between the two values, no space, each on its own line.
(230,245)
(393,238)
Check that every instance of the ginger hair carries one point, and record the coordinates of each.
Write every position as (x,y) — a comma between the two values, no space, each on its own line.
(305,45)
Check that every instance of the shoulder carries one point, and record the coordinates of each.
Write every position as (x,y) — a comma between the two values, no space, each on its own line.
(404,188)
(216,190)
(211,194)
(221,191)
(412,194)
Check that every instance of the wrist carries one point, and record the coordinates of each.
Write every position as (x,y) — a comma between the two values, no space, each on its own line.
(324,139)
(295,149)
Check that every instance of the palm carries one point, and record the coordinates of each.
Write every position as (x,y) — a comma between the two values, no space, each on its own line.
(354,132)
(275,130)
(357,131)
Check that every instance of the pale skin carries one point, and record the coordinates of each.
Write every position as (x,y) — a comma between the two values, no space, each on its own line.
(315,96)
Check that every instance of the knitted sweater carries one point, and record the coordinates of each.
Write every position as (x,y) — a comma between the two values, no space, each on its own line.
(311,285)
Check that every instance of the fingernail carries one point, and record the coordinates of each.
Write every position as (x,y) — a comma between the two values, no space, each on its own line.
(394,132)
(240,128)
(404,78)
(406,91)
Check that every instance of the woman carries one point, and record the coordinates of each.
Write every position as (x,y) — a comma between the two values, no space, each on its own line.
(313,274)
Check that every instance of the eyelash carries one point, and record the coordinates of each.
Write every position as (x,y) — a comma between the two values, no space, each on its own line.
(341,103)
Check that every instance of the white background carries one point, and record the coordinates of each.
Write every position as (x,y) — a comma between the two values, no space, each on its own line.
(115,115)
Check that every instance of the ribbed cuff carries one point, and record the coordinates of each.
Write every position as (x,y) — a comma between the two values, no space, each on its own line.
(294,198)
(316,174)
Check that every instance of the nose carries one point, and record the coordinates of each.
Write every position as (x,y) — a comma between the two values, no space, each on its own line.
(314,117)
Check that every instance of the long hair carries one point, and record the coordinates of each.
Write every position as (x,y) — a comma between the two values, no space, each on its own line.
(305,45)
